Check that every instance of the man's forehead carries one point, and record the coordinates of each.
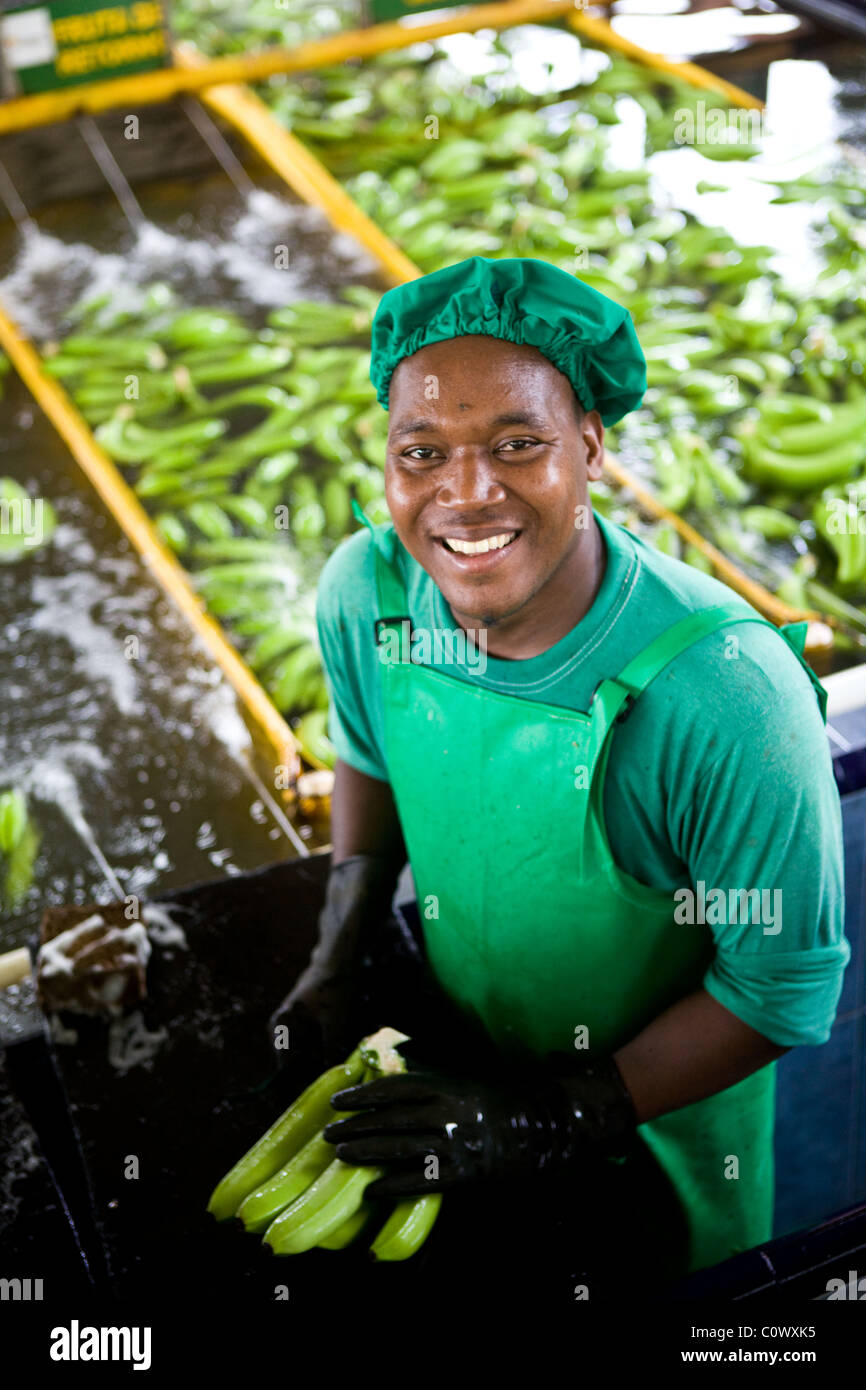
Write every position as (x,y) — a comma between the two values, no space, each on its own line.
(433,420)
(472,375)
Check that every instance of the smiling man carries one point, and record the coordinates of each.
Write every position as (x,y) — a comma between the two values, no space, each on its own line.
(636,730)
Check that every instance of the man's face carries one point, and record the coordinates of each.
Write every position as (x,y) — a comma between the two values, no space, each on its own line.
(500,457)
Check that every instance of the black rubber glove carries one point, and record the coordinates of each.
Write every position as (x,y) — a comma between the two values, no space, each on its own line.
(321,1010)
(541,1123)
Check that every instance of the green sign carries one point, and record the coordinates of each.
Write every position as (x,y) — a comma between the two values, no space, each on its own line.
(63,42)
(395,9)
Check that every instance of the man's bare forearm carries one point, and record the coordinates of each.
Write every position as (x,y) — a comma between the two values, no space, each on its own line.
(694,1049)
(364,818)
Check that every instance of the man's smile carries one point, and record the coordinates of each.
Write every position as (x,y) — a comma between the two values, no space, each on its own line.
(479,548)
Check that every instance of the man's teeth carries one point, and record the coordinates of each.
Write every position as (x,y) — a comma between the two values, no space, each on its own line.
(479,547)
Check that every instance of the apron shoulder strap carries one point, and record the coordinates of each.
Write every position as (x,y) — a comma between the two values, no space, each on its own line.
(795,635)
(643,668)
(390,589)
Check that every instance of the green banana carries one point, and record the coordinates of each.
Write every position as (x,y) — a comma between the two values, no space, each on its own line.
(802,472)
(275,642)
(13,819)
(843,526)
(351,1228)
(769,522)
(286,681)
(407,1228)
(257,360)
(274,469)
(210,519)
(193,328)
(128,442)
(262,1206)
(120,351)
(786,408)
(171,530)
(312,736)
(20,861)
(845,421)
(27,523)
(317,1213)
(248,511)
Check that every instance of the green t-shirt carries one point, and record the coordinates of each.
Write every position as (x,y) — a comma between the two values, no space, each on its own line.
(721,774)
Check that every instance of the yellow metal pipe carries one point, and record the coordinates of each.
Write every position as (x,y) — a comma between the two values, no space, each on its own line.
(600,32)
(144,88)
(307,176)
(134,521)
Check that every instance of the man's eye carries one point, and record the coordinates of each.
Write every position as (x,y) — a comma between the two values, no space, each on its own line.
(520,443)
(419,449)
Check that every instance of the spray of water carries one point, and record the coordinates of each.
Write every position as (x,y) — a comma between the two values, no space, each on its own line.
(49,779)
(222,714)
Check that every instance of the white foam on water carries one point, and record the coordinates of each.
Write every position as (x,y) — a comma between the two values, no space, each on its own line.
(44,262)
(161,926)
(130,1044)
(220,710)
(65,610)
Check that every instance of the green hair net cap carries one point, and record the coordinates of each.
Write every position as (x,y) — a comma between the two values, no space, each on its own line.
(587,337)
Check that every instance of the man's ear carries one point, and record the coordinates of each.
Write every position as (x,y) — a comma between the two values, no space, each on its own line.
(592,434)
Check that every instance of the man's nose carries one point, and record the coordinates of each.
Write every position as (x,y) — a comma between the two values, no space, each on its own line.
(471,479)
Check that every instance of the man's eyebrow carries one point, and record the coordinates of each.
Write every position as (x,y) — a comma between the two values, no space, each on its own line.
(511,417)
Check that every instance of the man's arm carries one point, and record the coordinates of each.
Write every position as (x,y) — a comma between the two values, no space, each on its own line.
(364,818)
(694,1049)
(368,854)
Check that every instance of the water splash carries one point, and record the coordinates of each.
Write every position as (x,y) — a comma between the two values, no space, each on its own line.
(224,718)
(49,779)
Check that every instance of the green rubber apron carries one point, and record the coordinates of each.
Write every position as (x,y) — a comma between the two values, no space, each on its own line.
(529,924)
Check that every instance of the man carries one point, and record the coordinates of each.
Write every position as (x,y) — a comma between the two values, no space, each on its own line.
(622,822)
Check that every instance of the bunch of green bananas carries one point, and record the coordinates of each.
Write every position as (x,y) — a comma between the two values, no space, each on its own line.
(291,1189)
(825,444)
(689,470)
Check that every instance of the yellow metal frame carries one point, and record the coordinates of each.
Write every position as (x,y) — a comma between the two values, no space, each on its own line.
(600,32)
(134,521)
(217,81)
(145,88)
